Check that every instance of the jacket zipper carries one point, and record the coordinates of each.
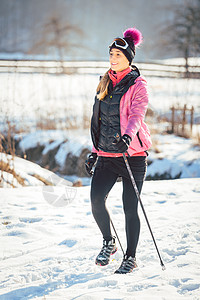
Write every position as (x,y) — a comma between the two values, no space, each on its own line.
(139,139)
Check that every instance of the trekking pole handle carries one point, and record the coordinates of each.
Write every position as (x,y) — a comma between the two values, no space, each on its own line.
(116,140)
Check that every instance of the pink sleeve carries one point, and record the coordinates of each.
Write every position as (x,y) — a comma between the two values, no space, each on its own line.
(138,108)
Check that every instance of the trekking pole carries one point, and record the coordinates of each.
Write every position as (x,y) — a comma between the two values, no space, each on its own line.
(116,233)
(141,204)
(117,236)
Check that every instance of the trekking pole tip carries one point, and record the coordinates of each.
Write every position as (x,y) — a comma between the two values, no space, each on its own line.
(163,267)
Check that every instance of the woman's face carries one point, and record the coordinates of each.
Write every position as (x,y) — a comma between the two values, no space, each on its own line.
(118,61)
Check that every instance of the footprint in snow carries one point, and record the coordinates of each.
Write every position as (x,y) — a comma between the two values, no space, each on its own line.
(197,237)
(15,233)
(68,243)
(188,287)
(30,220)
(33,208)
(183,286)
(161,201)
(182,265)
(178,252)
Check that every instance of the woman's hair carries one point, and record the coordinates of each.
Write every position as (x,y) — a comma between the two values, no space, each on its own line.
(102,88)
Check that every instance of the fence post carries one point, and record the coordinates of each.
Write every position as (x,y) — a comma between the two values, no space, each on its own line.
(173,117)
(184,118)
(191,118)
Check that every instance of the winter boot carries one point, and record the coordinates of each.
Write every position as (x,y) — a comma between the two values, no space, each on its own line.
(127,266)
(109,248)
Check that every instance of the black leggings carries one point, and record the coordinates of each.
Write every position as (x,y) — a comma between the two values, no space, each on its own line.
(105,175)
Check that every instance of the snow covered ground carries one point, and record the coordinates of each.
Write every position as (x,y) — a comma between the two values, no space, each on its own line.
(48,251)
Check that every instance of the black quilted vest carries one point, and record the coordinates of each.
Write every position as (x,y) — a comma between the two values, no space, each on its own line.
(106,114)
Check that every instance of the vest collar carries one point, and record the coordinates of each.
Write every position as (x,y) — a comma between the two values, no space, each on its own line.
(116,77)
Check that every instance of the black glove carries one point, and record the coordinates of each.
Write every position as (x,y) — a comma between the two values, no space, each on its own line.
(90,162)
(124,143)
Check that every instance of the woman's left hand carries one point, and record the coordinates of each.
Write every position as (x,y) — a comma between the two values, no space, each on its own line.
(124,143)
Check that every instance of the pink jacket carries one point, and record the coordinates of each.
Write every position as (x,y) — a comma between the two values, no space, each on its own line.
(133,107)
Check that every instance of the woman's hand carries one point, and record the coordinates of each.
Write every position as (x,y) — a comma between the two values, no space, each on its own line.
(124,143)
(90,162)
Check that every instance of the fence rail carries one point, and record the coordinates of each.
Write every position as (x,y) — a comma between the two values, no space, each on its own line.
(93,67)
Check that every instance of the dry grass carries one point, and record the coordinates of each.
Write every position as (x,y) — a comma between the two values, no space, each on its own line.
(7,146)
(5,167)
(45,181)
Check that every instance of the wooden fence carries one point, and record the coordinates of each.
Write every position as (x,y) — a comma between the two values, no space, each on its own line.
(93,67)
(179,119)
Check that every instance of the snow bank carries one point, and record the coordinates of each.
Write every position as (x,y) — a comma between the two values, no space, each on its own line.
(70,142)
(26,173)
(40,137)
(176,158)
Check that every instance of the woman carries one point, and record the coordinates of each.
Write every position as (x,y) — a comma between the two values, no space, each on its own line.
(119,108)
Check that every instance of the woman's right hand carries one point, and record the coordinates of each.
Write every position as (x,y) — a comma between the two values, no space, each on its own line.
(90,162)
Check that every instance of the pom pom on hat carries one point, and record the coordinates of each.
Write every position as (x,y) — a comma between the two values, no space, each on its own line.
(134,38)
(133,35)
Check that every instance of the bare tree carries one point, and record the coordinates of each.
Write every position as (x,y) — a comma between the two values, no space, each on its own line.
(183,34)
(56,37)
